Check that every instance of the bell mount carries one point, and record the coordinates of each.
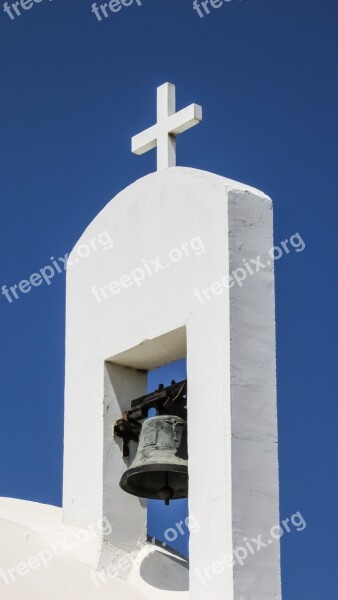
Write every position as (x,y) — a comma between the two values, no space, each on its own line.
(170,400)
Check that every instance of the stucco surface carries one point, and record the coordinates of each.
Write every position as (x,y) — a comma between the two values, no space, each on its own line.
(229,342)
(30,530)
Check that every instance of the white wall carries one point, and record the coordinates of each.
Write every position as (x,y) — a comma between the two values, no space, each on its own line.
(231,361)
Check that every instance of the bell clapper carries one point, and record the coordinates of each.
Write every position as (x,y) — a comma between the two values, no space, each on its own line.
(166,493)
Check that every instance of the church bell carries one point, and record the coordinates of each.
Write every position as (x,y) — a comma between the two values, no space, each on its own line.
(160,468)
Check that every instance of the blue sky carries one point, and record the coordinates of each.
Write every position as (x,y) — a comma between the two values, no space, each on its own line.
(73,92)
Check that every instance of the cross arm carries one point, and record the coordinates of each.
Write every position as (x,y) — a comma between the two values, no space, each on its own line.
(185,119)
(144,141)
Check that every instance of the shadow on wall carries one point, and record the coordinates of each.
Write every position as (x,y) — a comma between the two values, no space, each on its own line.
(165,572)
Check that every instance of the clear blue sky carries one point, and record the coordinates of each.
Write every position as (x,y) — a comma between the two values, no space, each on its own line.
(73,92)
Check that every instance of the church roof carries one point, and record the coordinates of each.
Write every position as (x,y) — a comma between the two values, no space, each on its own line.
(30,569)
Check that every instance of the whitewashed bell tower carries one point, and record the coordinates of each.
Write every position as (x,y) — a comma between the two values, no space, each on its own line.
(190,307)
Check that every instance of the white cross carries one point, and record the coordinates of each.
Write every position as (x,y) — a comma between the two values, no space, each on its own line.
(169,125)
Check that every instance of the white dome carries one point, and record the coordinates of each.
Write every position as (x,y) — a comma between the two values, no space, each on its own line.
(41,560)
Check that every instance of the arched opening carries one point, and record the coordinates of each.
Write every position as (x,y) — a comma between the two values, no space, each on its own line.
(168,526)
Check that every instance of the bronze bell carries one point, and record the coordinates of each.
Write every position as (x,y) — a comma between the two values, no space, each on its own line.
(160,468)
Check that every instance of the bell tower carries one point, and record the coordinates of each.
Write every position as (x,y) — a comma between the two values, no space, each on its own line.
(153,299)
